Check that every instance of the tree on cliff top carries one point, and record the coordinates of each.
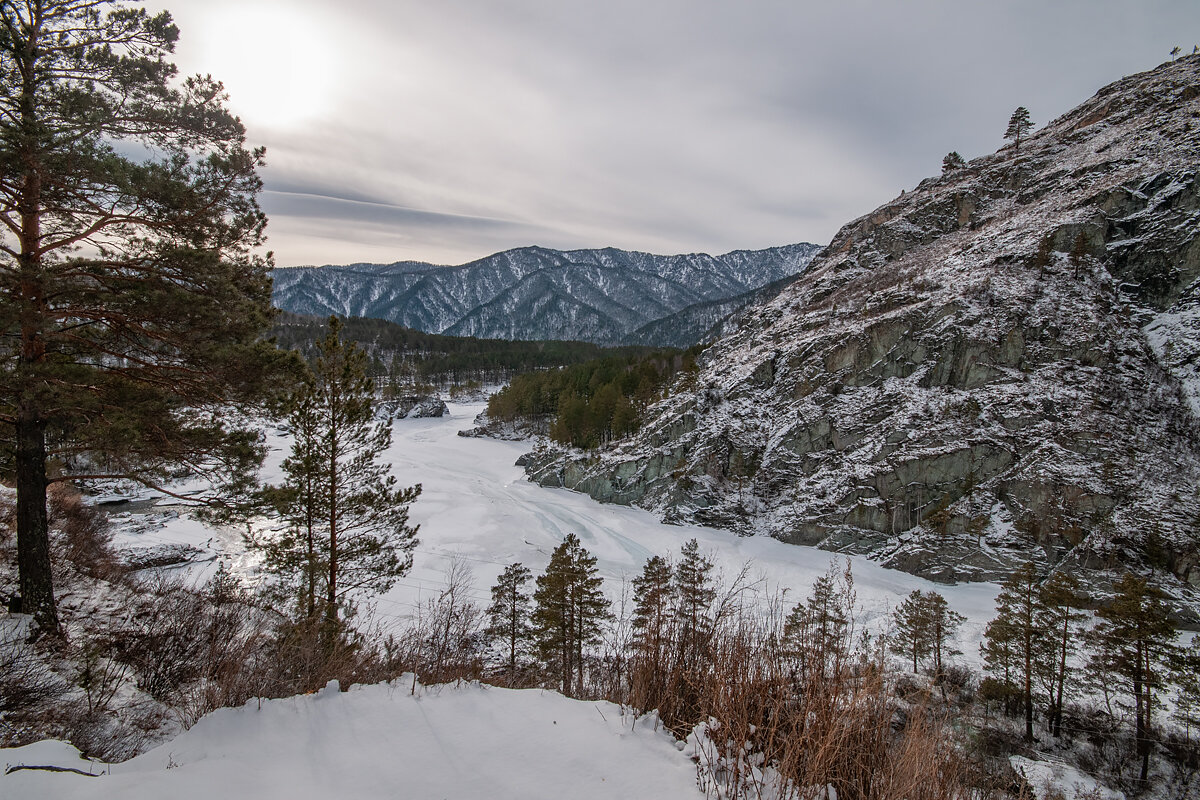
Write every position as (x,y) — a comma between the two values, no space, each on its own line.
(131,304)
(1018,126)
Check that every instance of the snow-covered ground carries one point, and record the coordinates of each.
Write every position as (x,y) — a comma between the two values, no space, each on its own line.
(383,742)
(477,506)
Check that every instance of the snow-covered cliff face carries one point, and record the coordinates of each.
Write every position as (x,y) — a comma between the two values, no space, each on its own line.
(933,393)
(538,293)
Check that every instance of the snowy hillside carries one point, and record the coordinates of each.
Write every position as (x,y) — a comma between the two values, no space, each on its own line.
(535,292)
(994,367)
(383,741)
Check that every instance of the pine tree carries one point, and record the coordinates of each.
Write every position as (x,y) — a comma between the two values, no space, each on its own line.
(922,625)
(569,612)
(817,631)
(1135,640)
(1015,630)
(1058,618)
(131,304)
(1000,657)
(654,607)
(943,626)
(1018,125)
(952,162)
(1185,672)
(508,615)
(695,593)
(1045,254)
(336,483)
(294,556)
(910,628)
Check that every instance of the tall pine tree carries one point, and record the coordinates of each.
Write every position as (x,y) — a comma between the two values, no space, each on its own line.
(694,593)
(1135,640)
(131,303)
(570,610)
(347,519)
(508,615)
(653,613)
(1016,630)
(1058,619)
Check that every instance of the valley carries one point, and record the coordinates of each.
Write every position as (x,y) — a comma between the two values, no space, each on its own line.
(477,506)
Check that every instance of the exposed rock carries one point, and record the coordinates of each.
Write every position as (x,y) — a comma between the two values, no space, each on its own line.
(507,430)
(159,555)
(932,393)
(418,405)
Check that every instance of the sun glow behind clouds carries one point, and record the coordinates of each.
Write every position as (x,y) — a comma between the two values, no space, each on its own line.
(278,61)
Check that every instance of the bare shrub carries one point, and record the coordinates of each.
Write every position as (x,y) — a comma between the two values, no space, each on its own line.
(99,674)
(80,534)
(196,650)
(792,705)
(26,680)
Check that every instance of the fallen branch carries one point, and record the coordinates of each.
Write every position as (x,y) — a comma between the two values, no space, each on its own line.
(8,770)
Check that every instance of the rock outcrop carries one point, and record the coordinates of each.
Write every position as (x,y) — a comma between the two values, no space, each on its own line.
(417,406)
(1000,365)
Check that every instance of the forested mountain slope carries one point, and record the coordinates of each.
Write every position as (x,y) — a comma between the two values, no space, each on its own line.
(995,367)
(535,292)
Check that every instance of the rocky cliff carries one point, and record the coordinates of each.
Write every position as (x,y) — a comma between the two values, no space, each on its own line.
(999,365)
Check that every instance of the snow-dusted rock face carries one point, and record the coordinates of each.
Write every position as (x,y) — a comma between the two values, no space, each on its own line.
(538,293)
(418,406)
(932,393)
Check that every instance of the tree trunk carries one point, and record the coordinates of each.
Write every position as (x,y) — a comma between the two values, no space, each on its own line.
(1028,688)
(33,533)
(1143,746)
(1062,677)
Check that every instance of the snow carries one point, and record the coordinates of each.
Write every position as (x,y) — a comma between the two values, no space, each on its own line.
(1050,779)
(477,506)
(466,741)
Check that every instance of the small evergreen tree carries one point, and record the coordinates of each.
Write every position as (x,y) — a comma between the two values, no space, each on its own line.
(653,612)
(1135,640)
(293,556)
(694,594)
(944,625)
(910,628)
(999,650)
(817,631)
(570,610)
(1044,255)
(923,625)
(335,475)
(1185,671)
(952,162)
(508,615)
(1018,125)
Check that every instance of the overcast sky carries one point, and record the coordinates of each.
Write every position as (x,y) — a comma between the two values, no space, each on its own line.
(445,130)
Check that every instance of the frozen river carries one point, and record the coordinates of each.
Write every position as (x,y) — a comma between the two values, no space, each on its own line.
(477,506)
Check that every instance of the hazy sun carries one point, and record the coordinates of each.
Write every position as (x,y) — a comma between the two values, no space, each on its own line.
(278,62)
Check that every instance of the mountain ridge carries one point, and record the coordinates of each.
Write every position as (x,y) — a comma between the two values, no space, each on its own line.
(599,295)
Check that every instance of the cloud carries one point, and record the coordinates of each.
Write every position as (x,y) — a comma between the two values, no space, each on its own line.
(460,127)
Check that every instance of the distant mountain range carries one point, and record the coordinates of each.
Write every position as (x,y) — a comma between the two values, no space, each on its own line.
(607,296)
